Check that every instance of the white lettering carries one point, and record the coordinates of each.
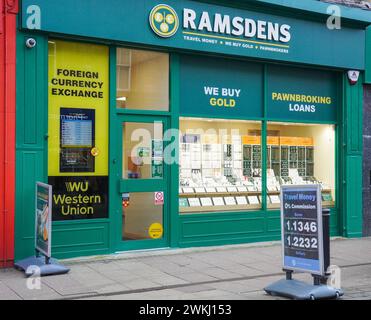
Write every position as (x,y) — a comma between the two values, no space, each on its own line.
(222,24)
(237,23)
(237,26)
(205,22)
(262,30)
(211,91)
(250,28)
(189,19)
(285,33)
(273,31)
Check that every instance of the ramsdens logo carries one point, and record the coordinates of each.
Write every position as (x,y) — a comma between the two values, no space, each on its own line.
(164,20)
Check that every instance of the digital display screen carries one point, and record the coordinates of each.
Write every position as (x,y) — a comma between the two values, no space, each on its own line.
(77,138)
(77,133)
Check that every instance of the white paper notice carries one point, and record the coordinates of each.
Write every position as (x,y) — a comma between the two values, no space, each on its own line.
(218,201)
(241,200)
(230,201)
(253,199)
(194,202)
(206,202)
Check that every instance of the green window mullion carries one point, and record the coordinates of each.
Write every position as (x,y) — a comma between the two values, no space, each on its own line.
(174,231)
(264,139)
(264,165)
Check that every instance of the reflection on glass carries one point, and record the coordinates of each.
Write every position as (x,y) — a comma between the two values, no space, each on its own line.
(142,80)
(143,150)
(220,165)
(142,216)
(305,155)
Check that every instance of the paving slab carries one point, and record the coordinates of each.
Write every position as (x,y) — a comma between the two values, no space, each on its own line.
(19,286)
(220,273)
(166,280)
(7,294)
(66,285)
(195,288)
(141,284)
(196,277)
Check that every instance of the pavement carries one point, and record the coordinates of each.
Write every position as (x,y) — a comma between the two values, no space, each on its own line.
(238,272)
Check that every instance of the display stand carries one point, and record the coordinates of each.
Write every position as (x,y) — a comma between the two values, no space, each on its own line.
(300,290)
(45,266)
(42,264)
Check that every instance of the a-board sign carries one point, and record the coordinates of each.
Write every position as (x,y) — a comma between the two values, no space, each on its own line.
(43,218)
(302,236)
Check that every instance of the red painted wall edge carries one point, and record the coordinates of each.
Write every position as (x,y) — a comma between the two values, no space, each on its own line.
(9,9)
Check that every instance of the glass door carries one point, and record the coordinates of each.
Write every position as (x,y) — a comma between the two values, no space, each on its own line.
(143,183)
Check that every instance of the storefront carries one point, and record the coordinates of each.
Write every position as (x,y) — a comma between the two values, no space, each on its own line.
(174,125)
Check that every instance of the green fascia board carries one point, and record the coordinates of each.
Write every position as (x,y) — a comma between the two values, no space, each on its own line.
(314,8)
(320,8)
(368,56)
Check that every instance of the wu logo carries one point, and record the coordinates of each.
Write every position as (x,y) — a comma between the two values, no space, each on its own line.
(164,20)
(77,186)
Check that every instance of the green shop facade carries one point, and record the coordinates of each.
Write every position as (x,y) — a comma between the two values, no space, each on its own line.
(174,123)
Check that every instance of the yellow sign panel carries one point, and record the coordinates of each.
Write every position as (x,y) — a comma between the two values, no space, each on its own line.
(273,141)
(251,140)
(156,230)
(296,141)
(78,109)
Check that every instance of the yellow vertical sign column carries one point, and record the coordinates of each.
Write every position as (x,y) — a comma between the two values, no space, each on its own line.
(78,78)
(78,123)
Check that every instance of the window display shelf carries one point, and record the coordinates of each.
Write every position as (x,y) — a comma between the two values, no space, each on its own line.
(220,194)
(237,207)
(195,210)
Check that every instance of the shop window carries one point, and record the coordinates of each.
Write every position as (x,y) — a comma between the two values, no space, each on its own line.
(220,166)
(142,80)
(142,150)
(142,216)
(301,154)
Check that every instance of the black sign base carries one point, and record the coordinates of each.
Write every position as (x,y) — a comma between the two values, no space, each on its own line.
(300,290)
(37,266)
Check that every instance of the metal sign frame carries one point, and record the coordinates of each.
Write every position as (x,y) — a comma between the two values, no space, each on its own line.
(49,223)
(303,188)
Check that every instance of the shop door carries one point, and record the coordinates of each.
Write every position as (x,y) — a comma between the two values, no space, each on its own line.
(142,184)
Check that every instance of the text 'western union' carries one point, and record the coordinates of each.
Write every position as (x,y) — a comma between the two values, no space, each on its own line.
(300,98)
(85,87)
(77,204)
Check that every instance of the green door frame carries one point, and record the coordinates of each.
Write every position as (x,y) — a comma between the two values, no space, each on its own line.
(118,185)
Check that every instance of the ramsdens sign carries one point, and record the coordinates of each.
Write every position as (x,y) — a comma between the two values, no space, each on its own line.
(236,26)
(221,29)
(202,27)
